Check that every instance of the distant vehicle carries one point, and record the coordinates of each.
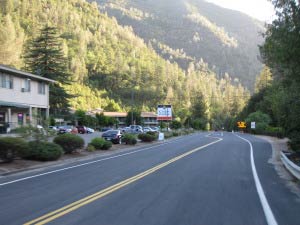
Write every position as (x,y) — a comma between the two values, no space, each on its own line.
(155,129)
(136,129)
(67,129)
(89,130)
(125,129)
(148,129)
(53,128)
(106,129)
(115,136)
(81,129)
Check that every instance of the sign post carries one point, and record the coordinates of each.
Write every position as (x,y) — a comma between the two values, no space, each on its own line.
(252,125)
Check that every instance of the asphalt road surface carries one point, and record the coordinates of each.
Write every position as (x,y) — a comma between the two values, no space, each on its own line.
(193,180)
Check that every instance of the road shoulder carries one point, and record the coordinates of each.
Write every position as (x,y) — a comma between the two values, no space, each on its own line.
(279,145)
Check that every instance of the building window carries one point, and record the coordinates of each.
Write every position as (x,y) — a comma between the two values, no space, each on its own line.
(41,88)
(27,87)
(6,81)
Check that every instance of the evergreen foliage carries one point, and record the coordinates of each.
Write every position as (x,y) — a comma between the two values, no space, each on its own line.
(278,96)
(44,56)
(107,65)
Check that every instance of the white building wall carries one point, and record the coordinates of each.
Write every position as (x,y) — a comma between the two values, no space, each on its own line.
(32,98)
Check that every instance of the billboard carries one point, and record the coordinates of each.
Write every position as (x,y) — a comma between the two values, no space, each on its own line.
(164,112)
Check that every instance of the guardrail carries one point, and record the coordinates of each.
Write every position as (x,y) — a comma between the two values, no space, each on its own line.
(292,167)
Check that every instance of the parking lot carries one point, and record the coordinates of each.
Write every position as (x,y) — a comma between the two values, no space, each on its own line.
(88,137)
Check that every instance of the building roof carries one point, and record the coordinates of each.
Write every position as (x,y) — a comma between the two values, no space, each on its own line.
(115,114)
(148,114)
(16,72)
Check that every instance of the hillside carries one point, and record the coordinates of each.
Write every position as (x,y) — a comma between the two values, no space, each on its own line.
(112,68)
(185,31)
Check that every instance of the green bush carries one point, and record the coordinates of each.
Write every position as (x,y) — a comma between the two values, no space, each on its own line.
(42,151)
(168,135)
(98,143)
(10,147)
(275,131)
(129,139)
(107,145)
(146,137)
(90,148)
(294,142)
(175,134)
(69,142)
(175,124)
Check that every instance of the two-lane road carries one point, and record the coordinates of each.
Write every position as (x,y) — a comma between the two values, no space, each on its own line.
(197,179)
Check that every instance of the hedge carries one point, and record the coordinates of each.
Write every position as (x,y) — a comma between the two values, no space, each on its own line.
(146,137)
(100,143)
(69,142)
(10,147)
(129,139)
(42,151)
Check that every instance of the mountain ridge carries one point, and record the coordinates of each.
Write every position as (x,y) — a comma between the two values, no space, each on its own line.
(170,23)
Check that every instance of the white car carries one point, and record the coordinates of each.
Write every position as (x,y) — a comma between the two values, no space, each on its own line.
(89,130)
(147,129)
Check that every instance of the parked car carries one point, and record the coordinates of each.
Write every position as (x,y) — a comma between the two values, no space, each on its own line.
(136,129)
(81,129)
(105,129)
(115,136)
(155,129)
(89,130)
(148,129)
(53,128)
(125,129)
(67,129)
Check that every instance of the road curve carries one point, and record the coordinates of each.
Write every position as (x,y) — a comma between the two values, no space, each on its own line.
(197,179)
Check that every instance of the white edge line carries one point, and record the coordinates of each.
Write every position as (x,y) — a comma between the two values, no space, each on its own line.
(264,202)
(87,163)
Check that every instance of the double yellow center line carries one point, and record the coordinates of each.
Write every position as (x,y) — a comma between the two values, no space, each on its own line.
(84,201)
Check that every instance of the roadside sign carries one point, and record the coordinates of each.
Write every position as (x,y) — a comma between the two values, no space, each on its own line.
(161,136)
(164,112)
(241,124)
(252,125)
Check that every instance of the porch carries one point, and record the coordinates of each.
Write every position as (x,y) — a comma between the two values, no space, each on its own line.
(13,115)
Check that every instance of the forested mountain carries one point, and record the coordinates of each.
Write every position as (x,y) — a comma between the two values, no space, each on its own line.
(185,31)
(109,65)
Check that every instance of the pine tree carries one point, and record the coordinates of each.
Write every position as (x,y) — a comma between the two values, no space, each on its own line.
(44,56)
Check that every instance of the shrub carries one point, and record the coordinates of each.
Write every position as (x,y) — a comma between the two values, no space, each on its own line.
(294,142)
(97,143)
(129,139)
(10,147)
(168,135)
(90,148)
(106,145)
(152,133)
(146,137)
(42,151)
(175,134)
(275,131)
(69,142)
(175,124)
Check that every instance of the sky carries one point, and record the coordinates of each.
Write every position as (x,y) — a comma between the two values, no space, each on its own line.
(259,9)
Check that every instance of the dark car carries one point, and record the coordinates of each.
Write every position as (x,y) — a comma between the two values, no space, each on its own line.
(67,129)
(115,136)
(105,129)
(81,129)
